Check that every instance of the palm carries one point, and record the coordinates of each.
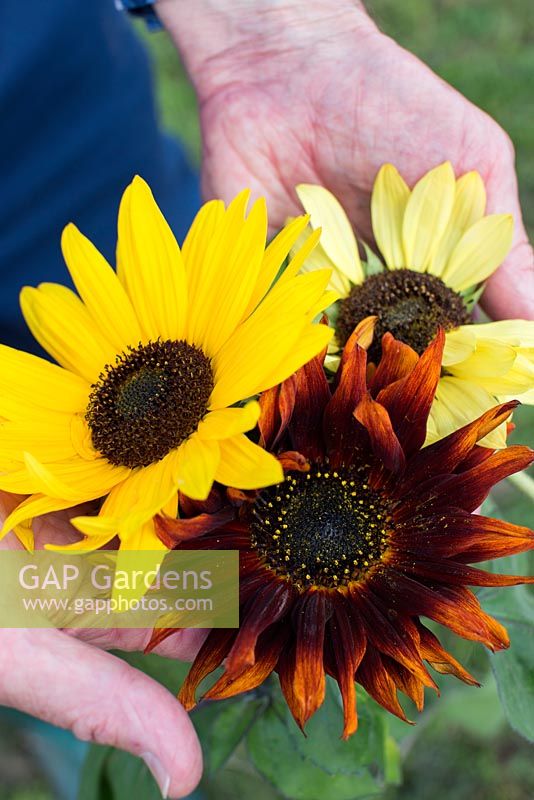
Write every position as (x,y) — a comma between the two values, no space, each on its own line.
(360,101)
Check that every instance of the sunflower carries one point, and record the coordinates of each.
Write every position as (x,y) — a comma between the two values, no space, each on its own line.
(366,534)
(438,247)
(154,362)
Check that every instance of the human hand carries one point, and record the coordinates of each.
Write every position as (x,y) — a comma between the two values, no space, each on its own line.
(300,91)
(68,680)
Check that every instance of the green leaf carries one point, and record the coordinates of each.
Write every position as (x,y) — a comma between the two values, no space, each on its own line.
(514,668)
(321,765)
(221,725)
(129,777)
(167,671)
(93,781)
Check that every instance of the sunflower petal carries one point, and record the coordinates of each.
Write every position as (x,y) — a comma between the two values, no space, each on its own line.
(198,461)
(426,217)
(337,237)
(482,248)
(468,208)
(100,290)
(150,265)
(245,465)
(388,204)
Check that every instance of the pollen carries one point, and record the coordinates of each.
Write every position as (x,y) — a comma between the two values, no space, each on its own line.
(149,402)
(335,528)
(411,305)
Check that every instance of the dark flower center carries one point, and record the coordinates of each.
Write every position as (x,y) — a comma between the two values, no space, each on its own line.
(149,402)
(321,528)
(410,305)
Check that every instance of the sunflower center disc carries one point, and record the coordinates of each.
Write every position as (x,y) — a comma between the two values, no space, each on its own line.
(149,402)
(410,305)
(321,528)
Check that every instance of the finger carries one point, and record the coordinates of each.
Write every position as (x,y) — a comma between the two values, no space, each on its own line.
(510,291)
(100,699)
(183,644)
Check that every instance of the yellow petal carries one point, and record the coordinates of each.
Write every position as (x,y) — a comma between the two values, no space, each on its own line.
(48,436)
(62,325)
(519,332)
(337,237)
(141,496)
(34,380)
(517,381)
(200,244)
(197,464)
(490,359)
(482,248)
(295,231)
(100,289)
(265,339)
(79,480)
(317,259)
(469,206)
(24,534)
(226,293)
(150,264)
(227,422)
(245,465)
(457,403)
(311,341)
(460,343)
(388,204)
(427,214)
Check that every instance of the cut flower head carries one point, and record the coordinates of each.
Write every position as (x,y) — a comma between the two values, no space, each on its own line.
(367,533)
(154,361)
(438,247)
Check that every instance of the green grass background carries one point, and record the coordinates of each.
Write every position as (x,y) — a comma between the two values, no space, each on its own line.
(485,48)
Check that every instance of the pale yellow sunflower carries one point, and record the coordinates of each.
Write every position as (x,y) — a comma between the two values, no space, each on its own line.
(154,363)
(438,247)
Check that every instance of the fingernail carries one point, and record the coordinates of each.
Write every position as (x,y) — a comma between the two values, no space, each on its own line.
(160,774)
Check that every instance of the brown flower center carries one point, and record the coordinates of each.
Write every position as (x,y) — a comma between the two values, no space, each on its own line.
(321,528)
(149,402)
(410,305)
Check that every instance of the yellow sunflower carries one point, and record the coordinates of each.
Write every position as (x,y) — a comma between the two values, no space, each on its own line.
(438,246)
(154,363)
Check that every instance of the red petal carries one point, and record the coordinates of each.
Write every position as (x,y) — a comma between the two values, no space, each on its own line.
(467,537)
(277,405)
(394,640)
(406,681)
(348,642)
(469,489)
(173,531)
(384,442)
(439,659)
(268,651)
(376,680)
(446,571)
(312,395)
(453,606)
(265,608)
(302,676)
(209,657)
(408,400)
(342,434)
(293,461)
(158,636)
(397,361)
(445,455)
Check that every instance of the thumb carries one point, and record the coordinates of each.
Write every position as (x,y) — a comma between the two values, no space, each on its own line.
(100,699)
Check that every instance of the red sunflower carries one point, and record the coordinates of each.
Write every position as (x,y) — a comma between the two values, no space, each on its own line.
(367,534)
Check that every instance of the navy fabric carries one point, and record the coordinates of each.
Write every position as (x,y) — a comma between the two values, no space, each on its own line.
(78,122)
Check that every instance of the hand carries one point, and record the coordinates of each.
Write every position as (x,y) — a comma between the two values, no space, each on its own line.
(72,683)
(310,91)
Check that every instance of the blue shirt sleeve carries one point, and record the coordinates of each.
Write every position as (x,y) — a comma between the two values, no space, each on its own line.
(141,8)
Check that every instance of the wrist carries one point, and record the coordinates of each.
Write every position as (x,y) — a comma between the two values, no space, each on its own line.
(222,41)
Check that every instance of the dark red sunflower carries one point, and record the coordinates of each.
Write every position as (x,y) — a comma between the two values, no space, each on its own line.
(367,534)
